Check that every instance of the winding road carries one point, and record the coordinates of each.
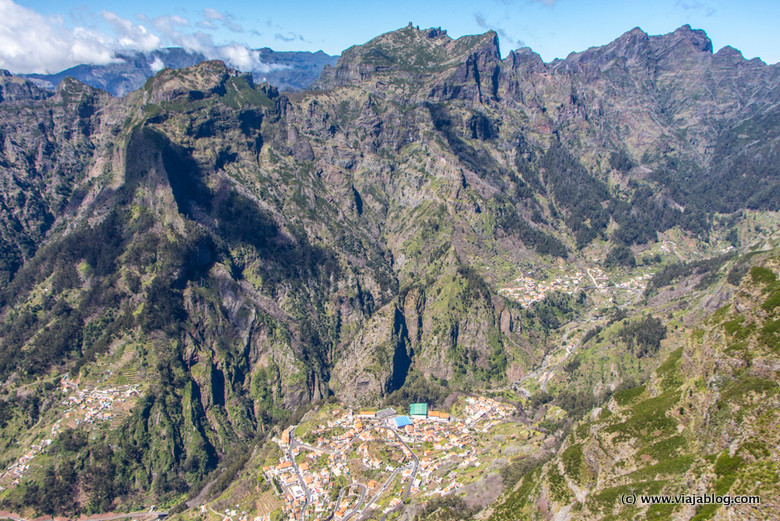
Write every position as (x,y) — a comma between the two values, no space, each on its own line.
(301,481)
(106,517)
(414,466)
(356,510)
(416,460)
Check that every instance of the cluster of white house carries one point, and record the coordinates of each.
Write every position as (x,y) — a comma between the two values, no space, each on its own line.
(527,290)
(308,468)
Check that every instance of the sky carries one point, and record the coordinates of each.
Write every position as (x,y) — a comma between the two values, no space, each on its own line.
(47,36)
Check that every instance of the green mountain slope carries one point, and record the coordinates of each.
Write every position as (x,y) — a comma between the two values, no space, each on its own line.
(704,422)
(230,256)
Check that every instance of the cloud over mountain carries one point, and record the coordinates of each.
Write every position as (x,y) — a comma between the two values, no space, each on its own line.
(30,42)
(33,43)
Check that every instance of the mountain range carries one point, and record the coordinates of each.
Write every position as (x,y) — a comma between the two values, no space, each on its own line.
(242,256)
(284,70)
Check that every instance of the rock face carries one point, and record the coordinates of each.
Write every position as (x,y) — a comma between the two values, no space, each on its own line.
(247,253)
(16,89)
(423,59)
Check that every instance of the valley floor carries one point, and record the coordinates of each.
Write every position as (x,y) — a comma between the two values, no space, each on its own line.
(346,464)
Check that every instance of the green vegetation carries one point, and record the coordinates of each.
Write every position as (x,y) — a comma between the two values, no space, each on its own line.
(744,388)
(644,336)
(517,500)
(671,273)
(666,449)
(625,396)
(450,507)
(239,94)
(577,192)
(573,461)
(418,388)
(761,275)
(610,498)
(512,473)
(770,335)
(649,418)
(558,487)
(673,466)
(620,255)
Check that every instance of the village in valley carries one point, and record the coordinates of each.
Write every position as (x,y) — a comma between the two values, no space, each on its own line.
(527,290)
(360,464)
(85,405)
(346,464)
(340,463)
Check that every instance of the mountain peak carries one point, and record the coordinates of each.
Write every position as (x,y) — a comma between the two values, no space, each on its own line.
(685,35)
(629,45)
(636,32)
(730,52)
(525,58)
(196,82)
(637,46)
(408,51)
(14,88)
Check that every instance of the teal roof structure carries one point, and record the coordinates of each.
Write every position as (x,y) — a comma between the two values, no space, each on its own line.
(418,409)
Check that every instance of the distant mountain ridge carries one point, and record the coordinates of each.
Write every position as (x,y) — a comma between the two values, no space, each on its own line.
(287,70)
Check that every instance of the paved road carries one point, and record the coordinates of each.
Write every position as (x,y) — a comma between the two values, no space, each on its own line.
(416,460)
(338,502)
(293,444)
(313,448)
(201,497)
(552,371)
(356,509)
(364,490)
(107,517)
(414,466)
(380,492)
(306,490)
(588,320)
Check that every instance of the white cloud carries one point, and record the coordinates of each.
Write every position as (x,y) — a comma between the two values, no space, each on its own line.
(205,24)
(33,43)
(30,42)
(238,55)
(157,65)
(288,37)
(232,26)
(226,19)
(268,67)
(169,25)
(243,59)
(504,36)
(213,14)
(131,36)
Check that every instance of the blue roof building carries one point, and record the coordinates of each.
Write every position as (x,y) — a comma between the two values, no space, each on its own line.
(402,421)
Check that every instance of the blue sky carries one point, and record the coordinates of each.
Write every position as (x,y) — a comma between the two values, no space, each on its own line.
(54,34)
